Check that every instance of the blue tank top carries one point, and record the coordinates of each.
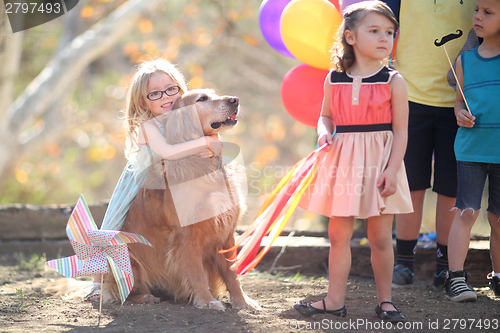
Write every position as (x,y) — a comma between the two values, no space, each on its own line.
(481,86)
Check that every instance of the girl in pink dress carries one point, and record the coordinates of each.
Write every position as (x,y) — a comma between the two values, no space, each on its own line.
(362,174)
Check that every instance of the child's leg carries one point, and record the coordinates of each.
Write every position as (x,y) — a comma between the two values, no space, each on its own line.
(407,230)
(495,241)
(380,237)
(493,214)
(444,219)
(494,220)
(339,262)
(471,178)
(459,239)
(408,225)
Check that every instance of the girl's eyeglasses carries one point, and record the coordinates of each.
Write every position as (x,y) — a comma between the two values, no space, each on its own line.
(170,91)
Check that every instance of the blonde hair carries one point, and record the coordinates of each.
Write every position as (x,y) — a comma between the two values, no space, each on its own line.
(137,109)
(342,53)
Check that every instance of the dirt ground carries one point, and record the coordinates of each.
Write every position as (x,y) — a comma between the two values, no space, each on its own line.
(24,307)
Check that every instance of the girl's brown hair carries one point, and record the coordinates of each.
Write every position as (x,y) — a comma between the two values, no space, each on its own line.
(342,53)
(137,109)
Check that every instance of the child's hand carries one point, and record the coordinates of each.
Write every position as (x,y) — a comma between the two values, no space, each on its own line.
(215,146)
(465,119)
(206,154)
(388,182)
(324,136)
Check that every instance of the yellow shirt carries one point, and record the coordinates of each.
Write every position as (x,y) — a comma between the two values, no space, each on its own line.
(423,64)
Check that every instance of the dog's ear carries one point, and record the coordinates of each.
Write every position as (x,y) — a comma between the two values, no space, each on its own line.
(188,98)
(191,124)
(172,131)
(182,125)
(177,104)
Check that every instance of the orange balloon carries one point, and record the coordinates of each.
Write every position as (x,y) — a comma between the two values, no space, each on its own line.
(309,29)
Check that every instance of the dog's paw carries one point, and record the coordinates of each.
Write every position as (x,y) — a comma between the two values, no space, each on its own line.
(216,305)
(213,305)
(108,296)
(150,299)
(252,305)
(245,303)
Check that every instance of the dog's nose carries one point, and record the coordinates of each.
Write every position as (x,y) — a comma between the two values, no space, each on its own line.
(233,100)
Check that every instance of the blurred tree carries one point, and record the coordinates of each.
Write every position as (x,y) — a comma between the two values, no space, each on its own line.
(59,73)
(52,125)
(215,43)
(10,58)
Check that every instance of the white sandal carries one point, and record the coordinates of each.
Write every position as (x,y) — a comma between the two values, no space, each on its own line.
(94,294)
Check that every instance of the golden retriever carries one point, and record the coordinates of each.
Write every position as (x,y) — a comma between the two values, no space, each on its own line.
(199,193)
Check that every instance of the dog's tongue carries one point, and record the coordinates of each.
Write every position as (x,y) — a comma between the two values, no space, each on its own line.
(233,117)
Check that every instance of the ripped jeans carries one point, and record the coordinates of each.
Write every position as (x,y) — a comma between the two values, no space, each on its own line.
(471,179)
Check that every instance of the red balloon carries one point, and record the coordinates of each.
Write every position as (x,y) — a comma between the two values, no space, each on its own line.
(302,93)
(336,4)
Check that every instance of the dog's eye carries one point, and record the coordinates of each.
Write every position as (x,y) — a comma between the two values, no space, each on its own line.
(202,99)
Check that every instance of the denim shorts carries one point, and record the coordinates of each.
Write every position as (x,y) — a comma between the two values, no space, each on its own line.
(471,180)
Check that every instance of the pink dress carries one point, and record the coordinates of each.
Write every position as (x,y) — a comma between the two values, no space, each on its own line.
(346,181)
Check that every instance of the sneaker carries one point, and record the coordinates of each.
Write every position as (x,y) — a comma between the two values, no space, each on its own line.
(494,283)
(402,277)
(439,280)
(457,288)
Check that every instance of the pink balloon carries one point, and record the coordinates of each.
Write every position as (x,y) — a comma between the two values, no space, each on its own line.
(302,93)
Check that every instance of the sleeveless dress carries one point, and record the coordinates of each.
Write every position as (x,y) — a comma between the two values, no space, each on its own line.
(345,184)
(132,179)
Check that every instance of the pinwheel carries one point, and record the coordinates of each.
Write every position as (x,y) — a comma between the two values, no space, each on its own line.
(274,213)
(96,249)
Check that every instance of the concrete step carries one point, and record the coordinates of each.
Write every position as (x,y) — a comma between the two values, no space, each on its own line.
(305,254)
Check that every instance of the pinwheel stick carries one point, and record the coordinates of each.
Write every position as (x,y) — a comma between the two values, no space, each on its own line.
(456,78)
(100,298)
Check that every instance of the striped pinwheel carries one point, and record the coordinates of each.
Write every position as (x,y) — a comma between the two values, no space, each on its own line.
(274,213)
(96,249)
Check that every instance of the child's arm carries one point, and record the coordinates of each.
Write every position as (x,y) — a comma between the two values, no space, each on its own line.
(325,123)
(158,144)
(464,118)
(388,178)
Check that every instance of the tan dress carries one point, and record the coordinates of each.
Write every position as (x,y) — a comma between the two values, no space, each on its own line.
(346,181)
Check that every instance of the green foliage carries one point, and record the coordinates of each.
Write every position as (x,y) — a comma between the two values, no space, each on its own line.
(22,304)
(13,191)
(34,264)
(298,277)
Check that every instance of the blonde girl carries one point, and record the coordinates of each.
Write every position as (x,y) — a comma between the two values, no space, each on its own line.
(362,174)
(155,87)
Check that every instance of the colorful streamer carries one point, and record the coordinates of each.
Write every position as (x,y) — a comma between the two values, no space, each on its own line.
(275,213)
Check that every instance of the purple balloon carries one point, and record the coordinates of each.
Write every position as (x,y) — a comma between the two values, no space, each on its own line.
(269,19)
(345,3)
